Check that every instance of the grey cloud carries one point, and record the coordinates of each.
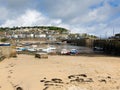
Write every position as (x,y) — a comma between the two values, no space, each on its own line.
(14,8)
(67,9)
(3,13)
(13,4)
(17,6)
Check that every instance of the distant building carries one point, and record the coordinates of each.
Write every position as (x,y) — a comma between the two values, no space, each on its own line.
(117,36)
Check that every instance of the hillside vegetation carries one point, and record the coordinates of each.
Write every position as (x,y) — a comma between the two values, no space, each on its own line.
(60,29)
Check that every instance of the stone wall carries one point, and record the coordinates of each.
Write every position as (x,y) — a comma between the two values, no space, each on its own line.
(7,51)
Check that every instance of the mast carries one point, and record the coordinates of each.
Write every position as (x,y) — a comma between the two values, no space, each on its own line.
(113,31)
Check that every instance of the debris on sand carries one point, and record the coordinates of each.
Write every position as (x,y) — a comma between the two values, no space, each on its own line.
(57,82)
(82,78)
(54,82)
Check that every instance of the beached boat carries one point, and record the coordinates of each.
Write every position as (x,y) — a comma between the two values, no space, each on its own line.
(31,49)
(74,51)
(18,49)
(49,49)
(65,52)
(4,44)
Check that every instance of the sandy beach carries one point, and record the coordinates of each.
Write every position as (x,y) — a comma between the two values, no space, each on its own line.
(60,73)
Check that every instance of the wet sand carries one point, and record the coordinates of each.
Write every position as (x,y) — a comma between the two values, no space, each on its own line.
(60,73)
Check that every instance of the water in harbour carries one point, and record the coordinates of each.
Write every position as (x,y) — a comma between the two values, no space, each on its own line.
(81,49)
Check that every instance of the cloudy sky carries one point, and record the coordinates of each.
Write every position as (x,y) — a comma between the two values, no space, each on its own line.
(80,16)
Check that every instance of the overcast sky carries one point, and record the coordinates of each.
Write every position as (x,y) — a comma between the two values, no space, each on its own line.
(80,16)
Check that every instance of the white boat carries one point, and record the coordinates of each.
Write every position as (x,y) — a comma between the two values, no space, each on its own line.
(18,49)
(65,52)
(39,49)
(49,49)
(46,50)
(31,49)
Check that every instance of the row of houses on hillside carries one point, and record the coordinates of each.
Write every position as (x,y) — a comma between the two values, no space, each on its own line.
(34,33)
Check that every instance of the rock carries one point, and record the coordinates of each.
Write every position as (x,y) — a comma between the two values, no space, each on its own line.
(72,80)
(19,88)
(44,77)
(79,80)
(45,88)
(48,84)
(103,80)
(83,75)
(47,81)
(67,83)
(71,76)
(42,80)
(89,80)
(56,80)
(41,55)
(109,77)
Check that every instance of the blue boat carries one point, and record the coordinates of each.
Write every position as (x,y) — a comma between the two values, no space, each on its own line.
(74,51)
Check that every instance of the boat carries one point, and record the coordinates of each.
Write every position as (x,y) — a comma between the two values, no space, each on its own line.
(18,49)
(49,49)
(65,52)
(5,44)
(31,49)
(74,51)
